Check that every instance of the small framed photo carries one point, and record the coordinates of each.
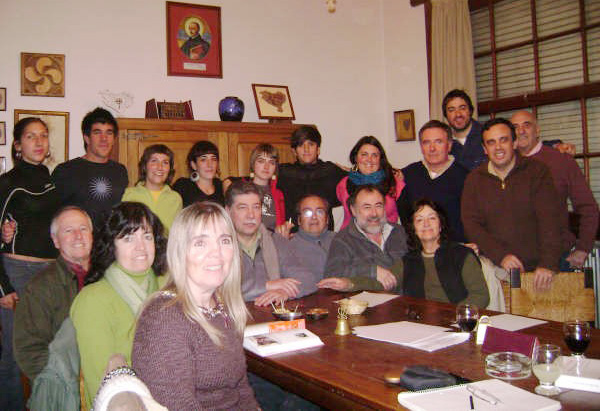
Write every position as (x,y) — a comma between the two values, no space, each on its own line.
(58,131)
(42,74)
(2,133)
(2,165)
(2,98)
(404,122)
(273,102)
(193,40)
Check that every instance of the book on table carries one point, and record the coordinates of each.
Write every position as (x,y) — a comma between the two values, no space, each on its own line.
(458,397)
(278,337)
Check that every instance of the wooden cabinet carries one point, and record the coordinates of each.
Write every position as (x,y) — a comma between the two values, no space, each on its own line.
(235,141)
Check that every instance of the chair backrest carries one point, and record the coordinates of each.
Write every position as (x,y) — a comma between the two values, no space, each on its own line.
(571,296)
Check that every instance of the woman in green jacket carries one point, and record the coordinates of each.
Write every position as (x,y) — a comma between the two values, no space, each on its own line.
(152,189)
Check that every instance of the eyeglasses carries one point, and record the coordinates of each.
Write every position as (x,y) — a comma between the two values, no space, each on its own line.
(308,213)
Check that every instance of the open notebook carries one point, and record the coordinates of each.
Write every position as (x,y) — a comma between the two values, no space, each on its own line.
(457,398)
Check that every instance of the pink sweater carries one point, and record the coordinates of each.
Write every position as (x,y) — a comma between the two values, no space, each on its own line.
(391,211)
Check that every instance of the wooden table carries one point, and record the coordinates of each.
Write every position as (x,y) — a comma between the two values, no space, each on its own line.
(347,372)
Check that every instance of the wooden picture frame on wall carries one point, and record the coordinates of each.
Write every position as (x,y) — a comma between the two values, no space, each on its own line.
(2,165)
(404,123)
(273,102)
(42,74)
(194,40)
(58,132)
(2,98)
(2,133)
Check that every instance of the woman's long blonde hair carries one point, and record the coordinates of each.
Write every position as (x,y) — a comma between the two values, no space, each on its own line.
(194,218)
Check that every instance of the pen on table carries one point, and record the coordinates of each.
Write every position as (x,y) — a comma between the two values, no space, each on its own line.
(483,395)
(471,401)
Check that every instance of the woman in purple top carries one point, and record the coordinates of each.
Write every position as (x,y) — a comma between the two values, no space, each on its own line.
(188,342)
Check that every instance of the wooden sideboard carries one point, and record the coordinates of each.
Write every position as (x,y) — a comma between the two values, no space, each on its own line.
(235,141)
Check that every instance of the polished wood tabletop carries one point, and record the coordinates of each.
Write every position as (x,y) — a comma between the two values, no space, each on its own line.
(347,372)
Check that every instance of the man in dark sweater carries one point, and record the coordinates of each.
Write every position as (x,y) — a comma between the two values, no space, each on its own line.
(510,207)
(309,174)
(570,184)
(437,177)
(93,182)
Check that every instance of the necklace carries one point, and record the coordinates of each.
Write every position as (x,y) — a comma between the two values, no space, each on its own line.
(218,309)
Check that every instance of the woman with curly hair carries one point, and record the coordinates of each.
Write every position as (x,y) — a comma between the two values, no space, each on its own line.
(127,260)
(370,166)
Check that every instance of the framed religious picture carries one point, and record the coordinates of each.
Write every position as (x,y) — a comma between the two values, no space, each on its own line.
(194,40)
(404,122)
(273,102)
(58,133)
(2,133)
(2,98)
(42,74)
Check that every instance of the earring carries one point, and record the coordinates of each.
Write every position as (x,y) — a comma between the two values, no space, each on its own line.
(194,176)
(274,177)
(354,168)
(48,155)
(251,174)
(18,154)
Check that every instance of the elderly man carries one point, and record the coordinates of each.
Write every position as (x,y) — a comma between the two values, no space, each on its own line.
(270,270)
(312,241)
(510,207)
(437,177)
(361,255)
(48,296)
(570,185)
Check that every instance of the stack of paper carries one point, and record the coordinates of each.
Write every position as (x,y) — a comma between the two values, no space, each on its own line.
(510,398)
(420,336)
(374,298)
(579,374)
(510,322)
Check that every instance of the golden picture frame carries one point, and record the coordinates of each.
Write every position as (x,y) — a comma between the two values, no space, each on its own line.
(2,98)
(404,122)
(42,74)
(58,133)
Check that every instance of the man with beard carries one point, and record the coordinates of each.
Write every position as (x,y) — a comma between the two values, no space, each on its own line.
(570,185)
(510,207)
(361,255)
(195,47)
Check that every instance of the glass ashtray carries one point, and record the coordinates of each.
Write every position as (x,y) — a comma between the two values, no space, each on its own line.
(508,365)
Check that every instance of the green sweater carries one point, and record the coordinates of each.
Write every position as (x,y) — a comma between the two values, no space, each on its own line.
(105,326)
(166,206)
(471,273)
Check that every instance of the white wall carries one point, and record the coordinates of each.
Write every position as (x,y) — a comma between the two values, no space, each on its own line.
(347,71)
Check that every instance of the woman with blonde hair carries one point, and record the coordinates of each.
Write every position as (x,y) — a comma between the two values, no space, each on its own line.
(193,328)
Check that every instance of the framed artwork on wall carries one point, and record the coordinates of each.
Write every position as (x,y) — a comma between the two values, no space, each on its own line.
(2,165)
(404,122)
(2,133)
(2,98)
(273,102)
(42,74)
(58,132)
(194,40)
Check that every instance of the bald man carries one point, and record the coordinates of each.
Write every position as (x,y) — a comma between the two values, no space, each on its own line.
(570,184)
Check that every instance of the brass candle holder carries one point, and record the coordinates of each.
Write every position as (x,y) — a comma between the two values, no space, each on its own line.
(342,327)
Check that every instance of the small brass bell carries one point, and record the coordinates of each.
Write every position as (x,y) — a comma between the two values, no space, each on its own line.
(342,327)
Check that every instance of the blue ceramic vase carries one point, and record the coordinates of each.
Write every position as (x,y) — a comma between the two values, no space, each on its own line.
(231,109)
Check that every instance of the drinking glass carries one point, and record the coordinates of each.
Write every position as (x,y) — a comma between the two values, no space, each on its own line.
(577,336)
(467,316)
(546,367)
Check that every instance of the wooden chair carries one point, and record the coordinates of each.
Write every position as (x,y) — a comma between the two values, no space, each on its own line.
(570,296)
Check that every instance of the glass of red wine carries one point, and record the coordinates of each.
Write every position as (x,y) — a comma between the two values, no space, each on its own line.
(467,316)
(577,336)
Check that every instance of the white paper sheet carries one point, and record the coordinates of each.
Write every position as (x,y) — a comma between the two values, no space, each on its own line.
(420,336)
(374,298)
(511,322)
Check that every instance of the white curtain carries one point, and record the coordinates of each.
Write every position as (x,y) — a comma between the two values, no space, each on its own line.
(452,64)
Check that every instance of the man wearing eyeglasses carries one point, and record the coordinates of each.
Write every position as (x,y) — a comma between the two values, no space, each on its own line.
(311,242)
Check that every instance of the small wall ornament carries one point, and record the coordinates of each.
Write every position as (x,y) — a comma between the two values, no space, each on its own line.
(42,74)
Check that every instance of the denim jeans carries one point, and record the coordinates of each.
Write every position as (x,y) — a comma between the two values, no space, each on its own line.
(11,390)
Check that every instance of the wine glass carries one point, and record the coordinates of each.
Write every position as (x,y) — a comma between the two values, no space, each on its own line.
(467,316)
(546,367)
(577,336)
